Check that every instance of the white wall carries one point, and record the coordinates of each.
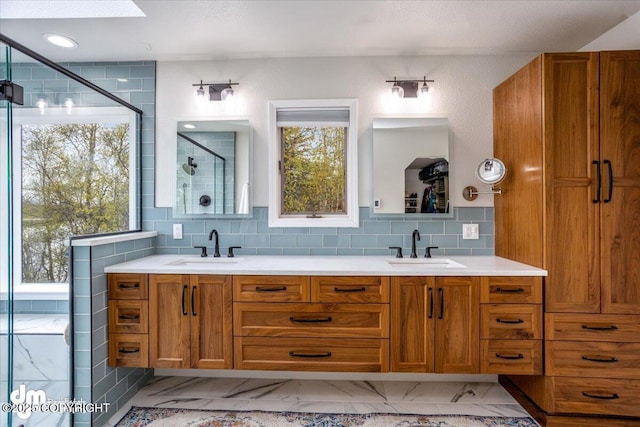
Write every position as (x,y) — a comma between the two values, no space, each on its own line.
(462,91)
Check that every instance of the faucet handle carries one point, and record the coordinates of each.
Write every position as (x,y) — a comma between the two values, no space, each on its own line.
(398,250)
(427,251)
(204,250)
(230,254)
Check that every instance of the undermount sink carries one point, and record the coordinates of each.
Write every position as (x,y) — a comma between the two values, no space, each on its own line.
(424,262)
(204,261)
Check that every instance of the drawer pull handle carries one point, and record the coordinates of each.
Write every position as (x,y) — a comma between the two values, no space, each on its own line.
(129,350)
(129,316)
(510,290)
(510,321)
(311,355)
(362,289)
(278,289)
(601,359)
(510,356)
(307,320)
(124,285)
(430,303)
(600,328)
(611,396)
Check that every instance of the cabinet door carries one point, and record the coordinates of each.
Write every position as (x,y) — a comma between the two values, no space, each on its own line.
(169,341)
(457,324)
(620,153)
(412,324)
(210,306)
(570,129)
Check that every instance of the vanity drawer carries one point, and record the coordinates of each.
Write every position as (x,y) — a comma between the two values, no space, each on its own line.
(128,316)
(129,350)
(593,359)
(511,321)
(511,289)
(271,288)
(303,354)
(592,327)
(350,289)
(127,286)
(596,396)
(311,320)
(515,357)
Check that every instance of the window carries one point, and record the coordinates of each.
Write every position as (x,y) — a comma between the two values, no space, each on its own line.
(73,175)
(313,163)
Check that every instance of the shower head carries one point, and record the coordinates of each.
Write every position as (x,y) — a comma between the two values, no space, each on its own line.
(190,166)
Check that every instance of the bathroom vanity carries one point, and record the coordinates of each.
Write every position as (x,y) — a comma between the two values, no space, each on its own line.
(339,314)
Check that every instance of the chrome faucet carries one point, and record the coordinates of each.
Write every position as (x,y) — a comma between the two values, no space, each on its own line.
(415,234)
(216,248)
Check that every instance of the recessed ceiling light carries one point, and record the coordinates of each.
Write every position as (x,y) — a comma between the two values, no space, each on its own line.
(60,40)
(190,126)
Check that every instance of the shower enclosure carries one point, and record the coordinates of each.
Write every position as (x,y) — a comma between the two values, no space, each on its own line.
(70,167)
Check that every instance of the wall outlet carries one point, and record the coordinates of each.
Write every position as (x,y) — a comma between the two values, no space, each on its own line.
(470,231)
(177,231)
(377,204)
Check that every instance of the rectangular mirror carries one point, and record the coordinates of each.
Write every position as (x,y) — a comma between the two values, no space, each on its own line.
(213,169)
(411,167)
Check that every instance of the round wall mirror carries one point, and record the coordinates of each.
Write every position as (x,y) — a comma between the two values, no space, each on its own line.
(491,171)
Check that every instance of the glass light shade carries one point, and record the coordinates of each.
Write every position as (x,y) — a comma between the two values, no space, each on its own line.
(227,94)
(42,104)
(423,91)
(200,92)
(397,91)
(68,103)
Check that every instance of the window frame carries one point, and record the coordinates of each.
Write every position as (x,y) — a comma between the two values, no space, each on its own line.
(351,217)
(80,115)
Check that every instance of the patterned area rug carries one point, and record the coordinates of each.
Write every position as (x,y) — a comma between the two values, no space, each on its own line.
(160,417)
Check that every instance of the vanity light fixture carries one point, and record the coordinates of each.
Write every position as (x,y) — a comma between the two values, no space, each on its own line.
(409,88)
(217,91)
(491,172)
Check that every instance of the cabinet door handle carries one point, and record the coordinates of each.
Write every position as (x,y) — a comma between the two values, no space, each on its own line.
(608,163)
(510,290)
(125,285)
(603,396)
(600,359)
(600,328)
(510,356)
(307,320)
(441,295)
(362,289)
(193,301)
(310,355)
(129,316)
(510,321)
(271,289)
(598,181)
(184,300)
(430,303)
(128,350)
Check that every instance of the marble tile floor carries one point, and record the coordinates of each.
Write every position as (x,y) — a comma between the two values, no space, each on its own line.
(332,396)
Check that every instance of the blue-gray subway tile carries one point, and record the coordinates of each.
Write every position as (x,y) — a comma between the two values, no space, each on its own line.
(101,251)
(375,227)
(489,214)
(486,227)
(376,252)
(295,230)
(82,287)
(384,241)
(324,230)
(431,227)
(444,241)
(482,252)
(81,269)
(350,252)
(324,251)
(82,305)
(470,214)
(456,252)
(336,241)
(221,226)
(245,226)
(296,251)
(44,306)
(192,227)
(81,322)
(269,251)
(364,213)
(167,251)
(121,247)
(403,227)
(452,227)
(363,241)
(473,243)
(256,240)
(283,241)
(154,214)
(310,241)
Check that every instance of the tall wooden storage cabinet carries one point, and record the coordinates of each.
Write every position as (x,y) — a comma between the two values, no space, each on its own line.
(567,126)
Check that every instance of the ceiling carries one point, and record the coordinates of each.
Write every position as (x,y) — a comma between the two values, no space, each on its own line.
(209,30)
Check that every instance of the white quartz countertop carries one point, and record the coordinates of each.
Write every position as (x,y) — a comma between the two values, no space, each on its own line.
(328,266)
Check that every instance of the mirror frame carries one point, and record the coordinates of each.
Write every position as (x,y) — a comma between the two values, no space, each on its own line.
(409,216)
(233,123)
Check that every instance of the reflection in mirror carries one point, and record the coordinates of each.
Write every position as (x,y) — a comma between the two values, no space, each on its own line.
(213,168)
(411,166)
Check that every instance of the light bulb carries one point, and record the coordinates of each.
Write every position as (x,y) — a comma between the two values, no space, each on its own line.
(200,91)
(423,91)
(397,91)
(227,94)
(42,105)
(68,103)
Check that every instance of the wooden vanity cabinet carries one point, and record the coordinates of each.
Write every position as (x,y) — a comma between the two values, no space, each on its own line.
(319,323)
(190,321)
(128,320)
(567,126)
(434,324)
